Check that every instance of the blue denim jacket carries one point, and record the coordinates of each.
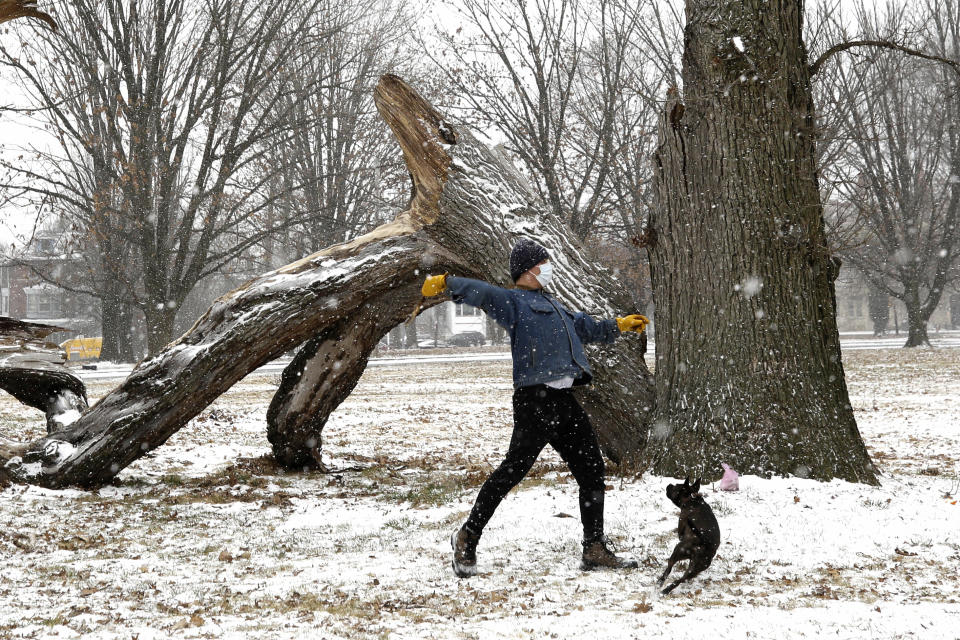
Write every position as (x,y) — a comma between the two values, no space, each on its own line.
(546,339)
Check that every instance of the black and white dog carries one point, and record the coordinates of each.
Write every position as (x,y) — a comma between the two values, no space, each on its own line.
(698,530)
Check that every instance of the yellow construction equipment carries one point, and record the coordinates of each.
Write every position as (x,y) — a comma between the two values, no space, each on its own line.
(82,348)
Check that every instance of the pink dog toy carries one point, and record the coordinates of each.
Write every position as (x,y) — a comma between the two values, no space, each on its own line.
(730,480)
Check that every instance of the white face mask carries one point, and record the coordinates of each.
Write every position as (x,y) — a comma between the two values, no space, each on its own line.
(546,275)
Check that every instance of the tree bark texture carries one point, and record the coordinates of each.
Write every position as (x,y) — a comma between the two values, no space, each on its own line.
(51,389)
(918,314)
(468,207)
(748,367)
(916,330)
(323,373)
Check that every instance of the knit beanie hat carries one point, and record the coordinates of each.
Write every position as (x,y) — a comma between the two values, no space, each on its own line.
(526,255)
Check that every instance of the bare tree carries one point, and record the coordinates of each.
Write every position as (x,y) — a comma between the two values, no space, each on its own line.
(339,154)
(741,270)
(896,182)
(158,111)
(468,207)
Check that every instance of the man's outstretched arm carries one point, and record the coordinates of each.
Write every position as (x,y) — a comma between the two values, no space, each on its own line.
(495,301)
(590,329)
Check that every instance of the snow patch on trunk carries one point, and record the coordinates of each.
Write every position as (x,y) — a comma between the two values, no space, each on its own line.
(66,418)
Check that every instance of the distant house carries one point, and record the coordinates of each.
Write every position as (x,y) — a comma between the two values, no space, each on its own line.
(448,319)
(463,317)
(28,291)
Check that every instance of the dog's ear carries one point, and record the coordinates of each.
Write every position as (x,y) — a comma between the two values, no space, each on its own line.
(696,486)
(686,481)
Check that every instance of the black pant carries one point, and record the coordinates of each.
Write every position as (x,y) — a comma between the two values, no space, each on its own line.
(544,415)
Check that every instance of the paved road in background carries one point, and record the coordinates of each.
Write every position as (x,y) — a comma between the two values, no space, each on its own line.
(848,342)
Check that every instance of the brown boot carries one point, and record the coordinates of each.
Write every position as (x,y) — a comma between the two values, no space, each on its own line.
(597,555)
(464,545)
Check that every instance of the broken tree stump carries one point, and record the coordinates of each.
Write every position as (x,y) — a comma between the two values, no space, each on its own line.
(473,203)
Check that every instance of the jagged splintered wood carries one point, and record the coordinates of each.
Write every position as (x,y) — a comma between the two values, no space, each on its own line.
(468,207)
(15,9)
(748,355)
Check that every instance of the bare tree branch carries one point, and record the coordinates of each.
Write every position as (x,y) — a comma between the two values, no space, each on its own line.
(882,44)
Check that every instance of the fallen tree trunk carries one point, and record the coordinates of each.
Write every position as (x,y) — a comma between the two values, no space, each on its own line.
(469,206)
(60,394)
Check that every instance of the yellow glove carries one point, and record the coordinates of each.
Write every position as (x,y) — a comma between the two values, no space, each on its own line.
(434,285)
(633,322)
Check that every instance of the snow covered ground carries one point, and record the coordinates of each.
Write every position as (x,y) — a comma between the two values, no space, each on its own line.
(206,539)
(849,341)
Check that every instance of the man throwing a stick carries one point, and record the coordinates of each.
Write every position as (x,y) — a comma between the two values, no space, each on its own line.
(548,360)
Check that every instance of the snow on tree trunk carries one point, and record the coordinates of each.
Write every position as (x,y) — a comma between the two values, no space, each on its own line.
(32,371)
(748,368)
(468,208)
(57,392)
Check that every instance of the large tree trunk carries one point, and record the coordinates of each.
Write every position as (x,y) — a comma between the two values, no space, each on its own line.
(918,313)
(53,389)
(324,372)
(468,208)
(878,304)
(116,321)
(160,321)
(748,368)
(916,324)
(110,328)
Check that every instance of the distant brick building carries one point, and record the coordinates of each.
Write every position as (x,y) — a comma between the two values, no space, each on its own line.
(25,295)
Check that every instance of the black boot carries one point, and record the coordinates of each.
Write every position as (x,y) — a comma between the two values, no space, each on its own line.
(597,555)
(464,545)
